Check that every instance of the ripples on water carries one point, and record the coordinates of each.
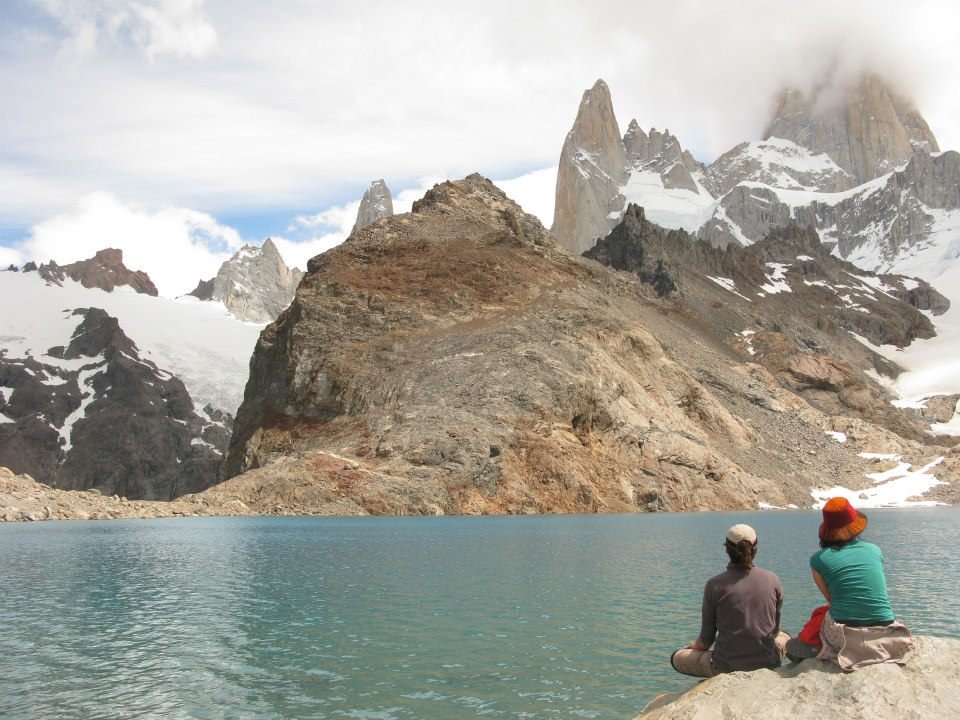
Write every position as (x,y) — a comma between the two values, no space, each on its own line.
(383,618)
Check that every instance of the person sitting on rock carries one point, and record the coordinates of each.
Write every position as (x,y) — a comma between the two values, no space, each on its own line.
(859,628)
(740,616)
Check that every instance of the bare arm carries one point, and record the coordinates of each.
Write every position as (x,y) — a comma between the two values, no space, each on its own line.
(821,584)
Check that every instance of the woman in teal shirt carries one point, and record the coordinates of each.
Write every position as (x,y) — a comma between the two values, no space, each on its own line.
(860,627)
(848,570)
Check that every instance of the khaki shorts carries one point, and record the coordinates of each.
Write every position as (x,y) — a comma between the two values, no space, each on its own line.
(698,663)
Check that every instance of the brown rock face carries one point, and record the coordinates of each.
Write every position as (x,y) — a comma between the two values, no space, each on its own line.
(454,360)
(593,167)
(865,129)
(105,270)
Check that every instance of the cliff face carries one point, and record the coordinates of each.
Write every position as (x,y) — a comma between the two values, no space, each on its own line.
(593,167)
(867,130)
(254,285)
(376,204)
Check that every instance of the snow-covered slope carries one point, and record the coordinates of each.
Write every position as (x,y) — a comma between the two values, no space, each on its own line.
(672,208)
(198,342)
(778,163)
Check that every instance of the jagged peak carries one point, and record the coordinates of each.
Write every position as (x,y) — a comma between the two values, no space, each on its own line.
(376,204)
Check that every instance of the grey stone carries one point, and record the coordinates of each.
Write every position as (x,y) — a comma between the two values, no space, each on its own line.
(593,167)
(376,204)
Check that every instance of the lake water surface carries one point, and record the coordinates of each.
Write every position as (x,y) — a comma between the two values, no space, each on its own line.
(383,618)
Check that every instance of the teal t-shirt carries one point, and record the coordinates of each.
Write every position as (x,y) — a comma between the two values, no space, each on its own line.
(854,576)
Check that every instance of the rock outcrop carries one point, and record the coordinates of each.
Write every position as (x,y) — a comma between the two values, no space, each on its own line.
(376,204)
(928,686)
(105,270)
(865,128)
(593,167)
(409,377)
(104,418)
(661,153)
(255,284)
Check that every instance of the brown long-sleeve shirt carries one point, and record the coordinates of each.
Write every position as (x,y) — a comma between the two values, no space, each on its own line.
(741,617)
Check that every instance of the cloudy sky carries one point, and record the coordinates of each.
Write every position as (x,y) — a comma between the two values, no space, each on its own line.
(179,129)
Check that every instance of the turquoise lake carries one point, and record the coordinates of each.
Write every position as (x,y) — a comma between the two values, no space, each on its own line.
(395,618)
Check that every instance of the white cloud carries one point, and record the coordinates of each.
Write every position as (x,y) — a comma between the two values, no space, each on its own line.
(296,253)
(8,257)
(156,27)
(177,247)
(535,192)
(296,104)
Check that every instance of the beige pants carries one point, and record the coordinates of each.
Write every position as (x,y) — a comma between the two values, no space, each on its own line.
(698,663)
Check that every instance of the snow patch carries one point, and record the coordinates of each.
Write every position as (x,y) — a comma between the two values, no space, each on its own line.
(892,488)
(838,436)
(728,284)
(777,282)
(747,336)
(86,397)
(672,208)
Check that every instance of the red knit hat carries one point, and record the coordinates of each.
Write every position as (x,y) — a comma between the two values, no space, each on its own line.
(841,521)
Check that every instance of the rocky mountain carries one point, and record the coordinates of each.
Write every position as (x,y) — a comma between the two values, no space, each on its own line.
(255,284)
(863,126)
(376,204)
(778,163)
(593,168)
(94,414)
(855,161)
(105,271)
(888,223)
(661,153)
(513,376)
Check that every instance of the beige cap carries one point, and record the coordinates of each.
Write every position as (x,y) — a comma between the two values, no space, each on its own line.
(741,532)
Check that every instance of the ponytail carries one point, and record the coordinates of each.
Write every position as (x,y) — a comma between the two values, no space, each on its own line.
(742,553)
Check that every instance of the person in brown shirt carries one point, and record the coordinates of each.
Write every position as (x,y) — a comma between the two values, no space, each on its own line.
(741,616)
